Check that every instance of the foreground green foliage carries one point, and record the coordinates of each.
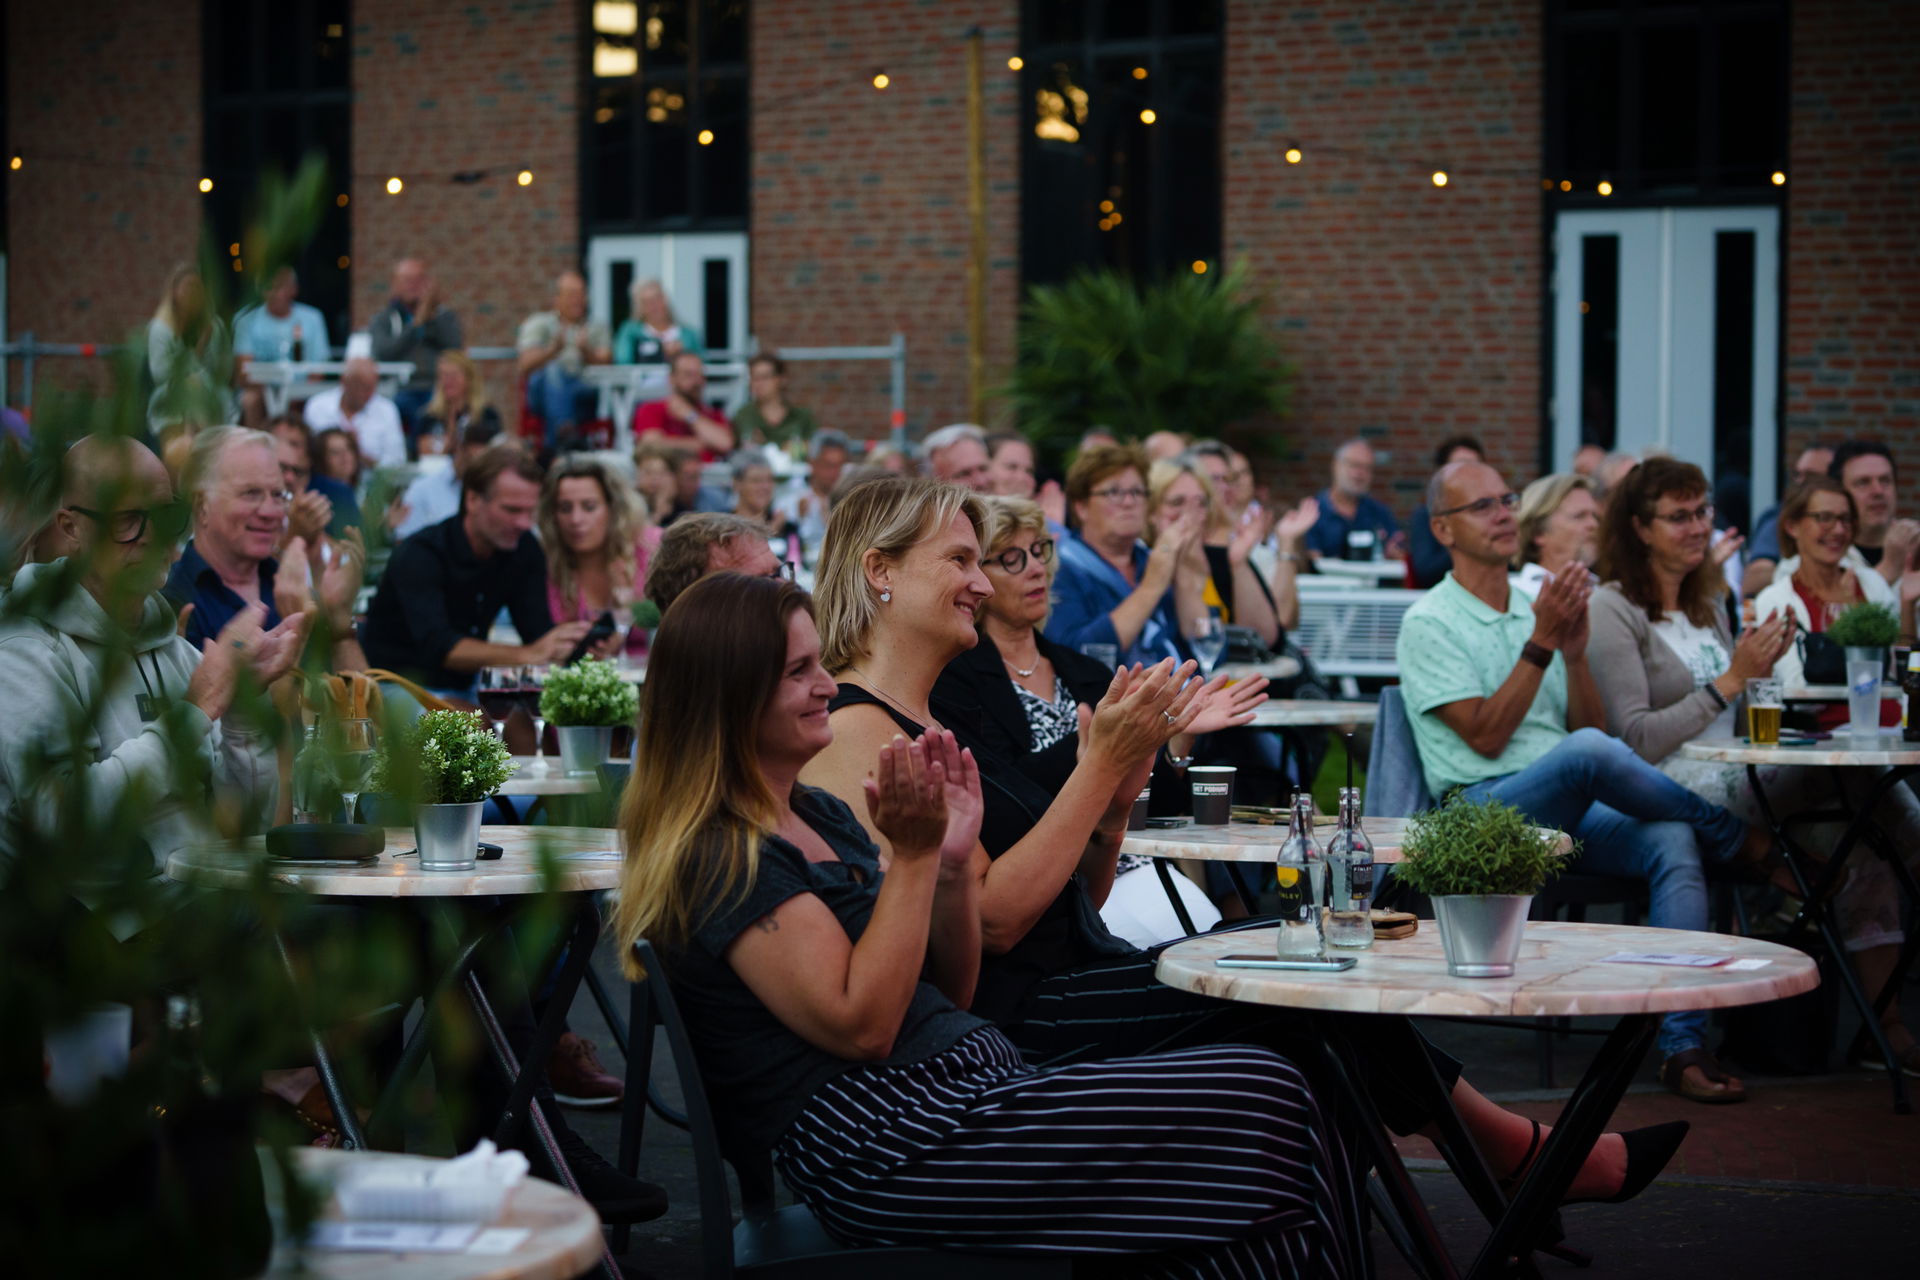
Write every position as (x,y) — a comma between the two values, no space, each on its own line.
(589,693)
(1865,626)
(1188,353)
(1477,847)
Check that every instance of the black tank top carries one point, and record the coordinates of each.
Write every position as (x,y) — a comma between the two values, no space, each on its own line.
(1069,933)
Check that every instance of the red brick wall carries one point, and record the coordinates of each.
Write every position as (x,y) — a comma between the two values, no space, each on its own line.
(1853,230)
(860,197)
(440,88)
(93,89)
(1412,312)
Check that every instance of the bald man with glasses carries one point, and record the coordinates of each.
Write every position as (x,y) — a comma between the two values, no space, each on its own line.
(1504,706)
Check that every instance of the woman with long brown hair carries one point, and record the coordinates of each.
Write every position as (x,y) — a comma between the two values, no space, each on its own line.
(598,546)
(1669,672)
(822,988)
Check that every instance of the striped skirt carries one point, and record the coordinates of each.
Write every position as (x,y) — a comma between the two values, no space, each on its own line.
(1212,1161)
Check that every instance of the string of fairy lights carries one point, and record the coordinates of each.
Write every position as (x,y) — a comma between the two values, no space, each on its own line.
(1062,109)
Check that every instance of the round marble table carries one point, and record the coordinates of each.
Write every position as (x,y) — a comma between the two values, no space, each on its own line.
(588,860)
(1298,713)
(1280,667)
(564,1240)
(1373,570)
(1832,692)
(1562,971)
(545,776)
(1889,761)
(1252,841)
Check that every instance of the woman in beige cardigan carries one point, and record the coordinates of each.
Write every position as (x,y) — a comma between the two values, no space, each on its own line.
(1669,672)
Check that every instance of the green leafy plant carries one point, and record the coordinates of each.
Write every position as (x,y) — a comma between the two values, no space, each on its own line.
(444,757)
(590,693)
(1477,847)
(646,615)
(1188,353)
(1865,626)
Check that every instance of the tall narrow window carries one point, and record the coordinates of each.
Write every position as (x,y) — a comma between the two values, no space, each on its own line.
(277,90)
(1121,135)
(666,128)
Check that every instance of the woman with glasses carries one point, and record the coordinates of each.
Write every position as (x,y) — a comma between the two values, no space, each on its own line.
(1020,695)
(1559,530)
(1669,672)
(1112,590)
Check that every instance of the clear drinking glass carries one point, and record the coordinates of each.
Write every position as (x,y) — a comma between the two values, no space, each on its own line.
(1764,705)
(350,747)
(1107,655)
(532,679)
(498,693)
(1208,640)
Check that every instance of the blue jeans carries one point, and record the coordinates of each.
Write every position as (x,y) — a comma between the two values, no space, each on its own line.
(561,400)
(1634,822)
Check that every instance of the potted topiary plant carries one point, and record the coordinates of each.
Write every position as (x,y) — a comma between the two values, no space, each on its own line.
(448,763)
(1866,632)
(1481,862)
(585,703)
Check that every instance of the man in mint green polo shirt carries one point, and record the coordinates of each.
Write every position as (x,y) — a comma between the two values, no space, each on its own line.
(1503,705)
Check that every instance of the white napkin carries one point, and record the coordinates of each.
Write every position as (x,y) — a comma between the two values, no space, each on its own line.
(468,1188)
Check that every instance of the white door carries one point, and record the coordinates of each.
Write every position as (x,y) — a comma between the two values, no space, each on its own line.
(705,276)
(1666,328)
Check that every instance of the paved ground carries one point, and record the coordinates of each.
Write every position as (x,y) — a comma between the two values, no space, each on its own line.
(1812,1176)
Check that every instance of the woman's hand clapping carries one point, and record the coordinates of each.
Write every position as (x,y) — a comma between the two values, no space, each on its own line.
(924,797)
(1226,706)
(1141,711)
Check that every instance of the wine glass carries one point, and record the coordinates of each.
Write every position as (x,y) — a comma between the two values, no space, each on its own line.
(531,680)
(498,696)
(351,748)
(1208,640)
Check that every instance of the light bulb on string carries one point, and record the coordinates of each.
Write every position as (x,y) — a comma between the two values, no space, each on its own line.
(1016,62)
(394,186)
(1293,155)
(882,80)
(1605,188)
(1439,177)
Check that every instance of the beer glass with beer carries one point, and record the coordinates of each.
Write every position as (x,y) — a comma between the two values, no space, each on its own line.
(1764,704)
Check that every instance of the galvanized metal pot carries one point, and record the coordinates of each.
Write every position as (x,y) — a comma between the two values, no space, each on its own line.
(583,747)
(1481,934)
(447,835)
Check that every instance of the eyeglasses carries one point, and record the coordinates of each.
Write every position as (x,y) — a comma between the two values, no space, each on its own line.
(1482,506)
(1121,495)
(1828,519)
(1014,559)
(1693,515)
(169,521)
(257,498)
(291,473)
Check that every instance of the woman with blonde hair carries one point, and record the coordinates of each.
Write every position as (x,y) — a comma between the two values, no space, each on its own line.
(1559,527)
(459,401)
(823,983)
(900,585)
(652,334)
(1220,558)
(189,355)
(598,545)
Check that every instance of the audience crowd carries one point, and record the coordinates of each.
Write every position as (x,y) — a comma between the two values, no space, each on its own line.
(916,779)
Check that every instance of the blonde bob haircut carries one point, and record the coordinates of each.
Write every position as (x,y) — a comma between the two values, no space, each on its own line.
(890,515)
(1010,523)
(1538,502)
(1162,475)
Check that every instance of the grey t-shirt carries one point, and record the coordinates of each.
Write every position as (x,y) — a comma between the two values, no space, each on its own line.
(760,1075)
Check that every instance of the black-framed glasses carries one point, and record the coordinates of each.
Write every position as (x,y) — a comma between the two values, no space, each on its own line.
(1482,506)
(1014,559)
(169,521)
(1692,515)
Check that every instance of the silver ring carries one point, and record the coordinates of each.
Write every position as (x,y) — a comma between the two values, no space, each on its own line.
(1168,715)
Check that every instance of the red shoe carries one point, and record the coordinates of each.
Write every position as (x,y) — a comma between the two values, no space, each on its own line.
(578,1079)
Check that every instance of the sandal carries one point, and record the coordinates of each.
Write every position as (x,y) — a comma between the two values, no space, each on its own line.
(1866,1055)
(1508,1183)
(1673,1074)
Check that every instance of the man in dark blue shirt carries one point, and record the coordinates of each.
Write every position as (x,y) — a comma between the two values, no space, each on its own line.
(445,585)
(1347,510)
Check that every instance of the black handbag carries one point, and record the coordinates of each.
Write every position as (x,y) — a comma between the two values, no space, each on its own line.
(1822,661)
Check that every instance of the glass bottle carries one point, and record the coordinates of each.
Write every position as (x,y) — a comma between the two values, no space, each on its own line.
(1350,870)
(1301,876)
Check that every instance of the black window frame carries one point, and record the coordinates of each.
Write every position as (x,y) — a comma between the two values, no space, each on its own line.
(689,80)
(324,283)
(1153,229)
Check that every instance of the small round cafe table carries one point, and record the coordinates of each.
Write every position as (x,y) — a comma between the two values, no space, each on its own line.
(1889,761)
(1301,713)
(563,1237)
(1564,970)
(547,776)
(585,860)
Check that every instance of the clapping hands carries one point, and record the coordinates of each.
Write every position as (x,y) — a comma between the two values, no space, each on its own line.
(924,797)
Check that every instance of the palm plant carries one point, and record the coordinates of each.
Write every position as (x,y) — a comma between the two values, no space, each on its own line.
(1187,353)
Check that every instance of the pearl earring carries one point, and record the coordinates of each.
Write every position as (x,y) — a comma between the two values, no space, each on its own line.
(885,596)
